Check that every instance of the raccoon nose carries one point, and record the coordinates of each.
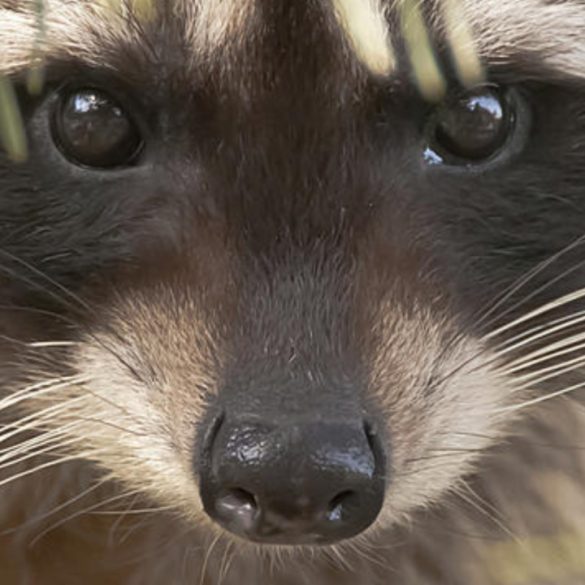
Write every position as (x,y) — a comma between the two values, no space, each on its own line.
(305,483)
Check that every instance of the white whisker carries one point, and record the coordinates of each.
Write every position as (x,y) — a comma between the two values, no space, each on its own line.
(43,344)
(39,389)
(80,513)
(51,447)
(45,436)
(56,509)
(544,331)
(540,399)
(546,357)
(32,421)
(53,463)
(543,309)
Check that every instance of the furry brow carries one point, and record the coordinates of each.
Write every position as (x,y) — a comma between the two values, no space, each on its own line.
(500,33)
(549,33)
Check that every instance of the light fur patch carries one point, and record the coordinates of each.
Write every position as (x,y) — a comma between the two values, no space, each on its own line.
(213,25)
(492,31)
(551,32)
(364,24)
(84,30)
(458,416)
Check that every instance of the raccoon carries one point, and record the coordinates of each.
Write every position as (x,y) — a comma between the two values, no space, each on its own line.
(293,292)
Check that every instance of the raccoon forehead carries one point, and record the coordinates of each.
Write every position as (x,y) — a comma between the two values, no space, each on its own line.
(548,33)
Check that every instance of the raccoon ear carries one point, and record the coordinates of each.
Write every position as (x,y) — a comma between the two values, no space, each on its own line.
(92,129)
(471,127)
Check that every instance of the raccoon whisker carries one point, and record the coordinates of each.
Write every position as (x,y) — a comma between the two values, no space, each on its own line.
(54,296)
(25,345)
(362,549)
(24,446)
(526,279)
(54,510)
(44,389)
(340,558)
(543,309)
(31,421)
(530,379)
(441,454)
(540,399)
(78,513)
(141,521)
(137,524)
(493,437)
(438,529)
(36,441)
(449,450)
(47,411)
(52,463)
(546,328)
(119,407)
(133,511)
(223,566)
(166,543)
(207,556)
(59,286)
(529,442)
(534,378)
(230,560)
(39,390)
(118,522)
(488,507)
(49,447)
(41,384)
(543,333)
(41,420)
(42,344)
(74,414)
(186,563)
(430,464)
(34,367)
(544,359)
(116,355)
(549,306)
(113,425)
(486,513)
(36,311)
(558,325)
(81,303)
(233,550)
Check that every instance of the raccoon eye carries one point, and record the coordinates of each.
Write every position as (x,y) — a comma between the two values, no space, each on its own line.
(92,129)
(471,127)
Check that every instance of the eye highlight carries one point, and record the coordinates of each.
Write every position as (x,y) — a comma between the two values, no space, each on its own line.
(470,128)
(92,129)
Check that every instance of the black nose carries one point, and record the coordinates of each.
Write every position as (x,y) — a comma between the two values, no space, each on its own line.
(303,483)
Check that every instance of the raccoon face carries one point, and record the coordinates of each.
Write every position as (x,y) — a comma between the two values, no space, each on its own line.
(263,281)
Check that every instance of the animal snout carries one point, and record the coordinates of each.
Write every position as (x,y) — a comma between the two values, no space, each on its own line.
(308,482)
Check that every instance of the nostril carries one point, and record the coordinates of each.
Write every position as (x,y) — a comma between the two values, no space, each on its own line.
(237,506)
(342,504)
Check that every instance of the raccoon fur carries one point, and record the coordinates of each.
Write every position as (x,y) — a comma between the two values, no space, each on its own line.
(293,292)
